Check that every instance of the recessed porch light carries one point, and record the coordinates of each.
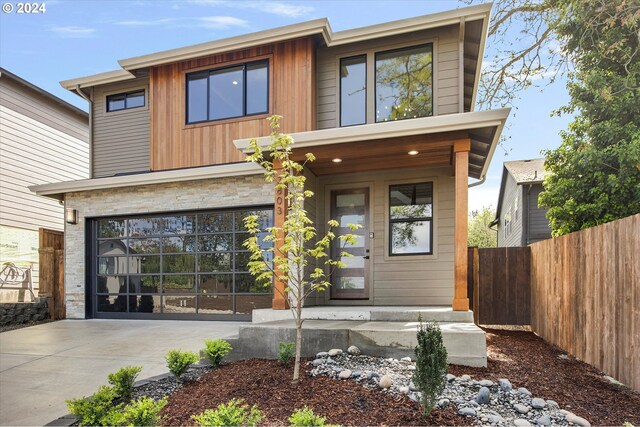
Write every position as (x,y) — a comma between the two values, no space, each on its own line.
(336,160)
(412,153)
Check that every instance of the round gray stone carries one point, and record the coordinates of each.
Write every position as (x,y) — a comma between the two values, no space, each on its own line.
(486,383)
(552,404)
(465,377)
(473,403)
(537,403)
(544,420)
(579,421)
(469,412)
(520,422)
(406,359)
(404,390)
(484,396)
(353,350)
(494,419)
(322,354)
(505,385)
(317,362)
(356,374)
(450,377)
(522,409)
(334,352)
(524,391)
(343,375)
(443,402)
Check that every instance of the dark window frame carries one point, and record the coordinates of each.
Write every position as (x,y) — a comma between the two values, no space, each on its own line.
(410,220)
(375,77)
(208,73)
(126,95)
(366,85)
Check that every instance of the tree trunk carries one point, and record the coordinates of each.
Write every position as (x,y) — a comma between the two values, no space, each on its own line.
(296,368)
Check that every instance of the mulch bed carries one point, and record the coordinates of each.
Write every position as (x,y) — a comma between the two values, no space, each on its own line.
(268,384)
(528,361)
(525,359)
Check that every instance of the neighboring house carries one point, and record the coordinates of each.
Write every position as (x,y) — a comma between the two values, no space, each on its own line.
(42,139)
(386,109)
(519,219)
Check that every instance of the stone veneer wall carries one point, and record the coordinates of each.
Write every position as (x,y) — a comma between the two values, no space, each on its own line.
(23,312)
(158,198)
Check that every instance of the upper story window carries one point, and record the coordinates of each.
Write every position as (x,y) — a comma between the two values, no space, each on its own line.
(125,101)
(411,219)
(404,83)
(353,90)
(224,93)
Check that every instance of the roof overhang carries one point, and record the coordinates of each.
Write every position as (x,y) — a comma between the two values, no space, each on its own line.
(317,27)
(57,190)
(483,128)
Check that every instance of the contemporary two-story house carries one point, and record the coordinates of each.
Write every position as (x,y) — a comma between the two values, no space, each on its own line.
(388,110)
(520,220)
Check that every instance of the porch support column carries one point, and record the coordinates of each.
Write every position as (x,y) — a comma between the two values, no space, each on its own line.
(461,148)
(281,205)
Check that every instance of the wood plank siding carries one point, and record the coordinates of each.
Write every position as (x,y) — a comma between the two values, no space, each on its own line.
(120,138)
(175,144)
(40,142)
(446,70)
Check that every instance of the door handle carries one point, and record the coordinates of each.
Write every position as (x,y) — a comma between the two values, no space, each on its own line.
(366,257)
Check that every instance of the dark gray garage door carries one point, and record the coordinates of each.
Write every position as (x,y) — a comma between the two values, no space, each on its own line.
(175,266)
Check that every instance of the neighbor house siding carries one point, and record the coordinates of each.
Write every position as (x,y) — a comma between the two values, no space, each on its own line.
(446,71)
(40,142)
(405,280)
(159,198)
(120,138)
(537,222)
(514,236)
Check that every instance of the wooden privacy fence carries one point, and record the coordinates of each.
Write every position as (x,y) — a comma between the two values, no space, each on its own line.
(52,271)
(499,278)
(585,296)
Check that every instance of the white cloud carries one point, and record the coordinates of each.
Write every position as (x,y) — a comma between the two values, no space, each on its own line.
(221,22)
(290,10)
(73,31)
(141,23)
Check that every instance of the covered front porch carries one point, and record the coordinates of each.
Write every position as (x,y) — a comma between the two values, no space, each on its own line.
(406,183)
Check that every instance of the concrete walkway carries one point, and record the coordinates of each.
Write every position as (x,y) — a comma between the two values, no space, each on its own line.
(43,365)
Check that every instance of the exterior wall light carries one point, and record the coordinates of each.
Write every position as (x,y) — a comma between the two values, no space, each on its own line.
(412,153)
(336,160)
(71,216)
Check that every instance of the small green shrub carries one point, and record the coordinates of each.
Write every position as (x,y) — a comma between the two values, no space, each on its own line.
(122,381)
(97,409)
(216,350)
(179,361)
(430,376)
(143,412)
(306,418)
(286,352)
(235,413)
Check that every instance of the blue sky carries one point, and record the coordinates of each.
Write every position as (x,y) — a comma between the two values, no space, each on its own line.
(79,38)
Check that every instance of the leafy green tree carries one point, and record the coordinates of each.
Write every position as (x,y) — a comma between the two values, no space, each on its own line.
(480,234)
(595,173)
(299,257)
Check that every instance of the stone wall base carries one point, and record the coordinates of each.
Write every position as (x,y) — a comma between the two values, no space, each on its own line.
(23,312)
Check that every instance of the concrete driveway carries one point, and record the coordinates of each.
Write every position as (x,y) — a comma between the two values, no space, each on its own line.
(43,365)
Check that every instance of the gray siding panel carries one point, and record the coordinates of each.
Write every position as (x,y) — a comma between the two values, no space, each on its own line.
(446,70)
(538,224)
(512,199)
(121,139)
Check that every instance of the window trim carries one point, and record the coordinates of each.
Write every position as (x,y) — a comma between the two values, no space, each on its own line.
(391,221)
(433,77)
(366,85)
(208,71)
(126,95)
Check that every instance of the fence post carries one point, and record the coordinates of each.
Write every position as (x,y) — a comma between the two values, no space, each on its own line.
(47,278)
(476,285)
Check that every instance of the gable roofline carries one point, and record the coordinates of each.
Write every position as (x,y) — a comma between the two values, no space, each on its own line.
(51,97)
(508,170)
(320,27)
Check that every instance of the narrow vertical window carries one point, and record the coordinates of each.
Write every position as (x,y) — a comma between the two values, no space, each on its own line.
(257,88)
(404,83)
(353,91)
(197,97)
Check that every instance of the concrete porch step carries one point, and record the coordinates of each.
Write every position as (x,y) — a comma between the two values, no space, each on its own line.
(368,313)
(465,342)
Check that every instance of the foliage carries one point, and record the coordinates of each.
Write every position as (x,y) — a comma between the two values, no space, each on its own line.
(179,361)
(306,418)
(430,376)
(286,352)
(216,350)
(233,413)
(122,381)
(595,172)
(143,412)
(299,257)
(95,410)
(480,234)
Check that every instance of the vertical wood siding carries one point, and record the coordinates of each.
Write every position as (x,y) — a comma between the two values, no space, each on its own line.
(175,144)
(40,143)
(120,138)
(585,296)
(408,280)
(446,70)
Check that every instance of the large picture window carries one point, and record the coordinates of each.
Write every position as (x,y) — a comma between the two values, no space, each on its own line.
(404,83)
(411,219)
(224,93)
(176,265)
